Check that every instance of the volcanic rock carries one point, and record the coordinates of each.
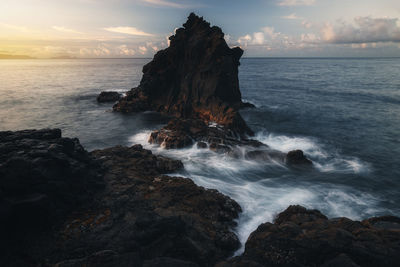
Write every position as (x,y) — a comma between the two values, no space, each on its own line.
(43,177)
(43,173)
(108,96)
(297,157)
(111,207)
(196,77)
(302,237)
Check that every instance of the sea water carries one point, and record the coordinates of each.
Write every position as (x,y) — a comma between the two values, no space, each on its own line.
(344,113)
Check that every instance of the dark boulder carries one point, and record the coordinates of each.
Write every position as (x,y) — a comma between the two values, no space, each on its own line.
(43,173)
(297,158)
(303,237)
(43,177)
(201,145)
(108,96)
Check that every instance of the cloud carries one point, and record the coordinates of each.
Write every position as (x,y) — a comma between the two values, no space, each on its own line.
(63,29)
(166,3)
(128,30)
(296,2)
(306,24)
(363,30)
(292,16)
(14,27)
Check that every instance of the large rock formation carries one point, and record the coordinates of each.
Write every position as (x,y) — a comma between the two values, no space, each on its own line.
(196,81)
(302,237)
(196,77)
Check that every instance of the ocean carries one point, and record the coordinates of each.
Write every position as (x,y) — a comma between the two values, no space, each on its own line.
(344,113)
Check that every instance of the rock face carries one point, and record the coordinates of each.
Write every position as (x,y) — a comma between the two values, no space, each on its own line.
(43,173)
(195,77)
(108,96)
(196,81)
(302,237)
(43,177)
(112,207)
(296,157)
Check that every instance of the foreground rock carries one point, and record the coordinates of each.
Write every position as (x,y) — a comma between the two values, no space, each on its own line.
(112,207)
(108,96)
(302,237)
(43,176)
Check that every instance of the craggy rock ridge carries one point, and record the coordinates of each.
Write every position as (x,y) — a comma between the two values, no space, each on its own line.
(302,237)
(196,81)
(196,77)
(112,207)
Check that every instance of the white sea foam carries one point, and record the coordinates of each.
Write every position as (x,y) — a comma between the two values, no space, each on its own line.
(261,194)
(324,161)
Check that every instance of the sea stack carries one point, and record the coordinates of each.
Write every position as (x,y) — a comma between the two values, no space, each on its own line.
(196,77)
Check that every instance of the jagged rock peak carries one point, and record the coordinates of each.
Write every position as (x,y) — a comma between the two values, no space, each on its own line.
(195,77)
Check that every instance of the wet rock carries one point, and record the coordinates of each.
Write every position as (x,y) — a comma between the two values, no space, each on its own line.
(201,145)
(108,96)
(219,148)
(302,237)
(43,177)
(297,157)
(196,77)
(43,173)
(135,216)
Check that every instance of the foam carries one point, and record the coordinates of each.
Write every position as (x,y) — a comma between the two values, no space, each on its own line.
(263,192)
(324,160)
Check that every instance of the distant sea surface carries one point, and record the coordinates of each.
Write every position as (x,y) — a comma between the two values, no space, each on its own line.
(343,113)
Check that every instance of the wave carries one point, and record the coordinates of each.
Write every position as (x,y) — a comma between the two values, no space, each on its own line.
(324,159)
(263,189)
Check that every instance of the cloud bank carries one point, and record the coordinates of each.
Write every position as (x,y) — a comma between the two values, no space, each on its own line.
(296,2)
(363,30)
(128,30)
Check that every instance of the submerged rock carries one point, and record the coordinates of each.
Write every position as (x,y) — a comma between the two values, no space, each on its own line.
(108,96)
(302,237)
(297,157)
(195,77)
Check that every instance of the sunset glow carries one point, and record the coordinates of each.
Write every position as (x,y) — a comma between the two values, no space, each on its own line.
(139,28)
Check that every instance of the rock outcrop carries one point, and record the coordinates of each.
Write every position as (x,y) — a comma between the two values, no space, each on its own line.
(112,207)
(43,174)
(108,96)
(302,237)
(196,77)
(195,80)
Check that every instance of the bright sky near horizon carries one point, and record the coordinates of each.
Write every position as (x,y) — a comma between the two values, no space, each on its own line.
(139,28)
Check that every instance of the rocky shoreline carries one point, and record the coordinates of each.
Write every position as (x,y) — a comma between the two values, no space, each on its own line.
(63,206)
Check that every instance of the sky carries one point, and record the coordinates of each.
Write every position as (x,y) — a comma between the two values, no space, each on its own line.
(139,28)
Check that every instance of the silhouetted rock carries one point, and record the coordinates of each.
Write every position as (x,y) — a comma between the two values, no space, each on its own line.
(43,177)
(111,207)
(302,237)
(108,96)
(201,145)
(196,77)
(43,173)
(297,157)
(165,220)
